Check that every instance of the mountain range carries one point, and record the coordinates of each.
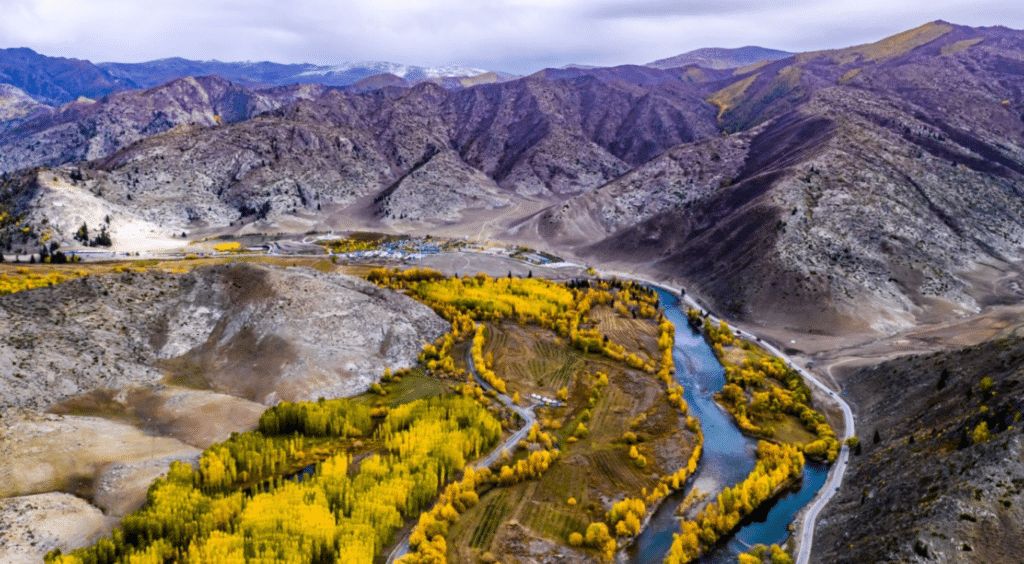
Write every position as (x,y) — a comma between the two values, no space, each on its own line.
(55,80)
(861,189)
(263,74)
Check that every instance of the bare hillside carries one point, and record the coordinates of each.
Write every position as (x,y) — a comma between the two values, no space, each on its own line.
(943,482)
(256,332)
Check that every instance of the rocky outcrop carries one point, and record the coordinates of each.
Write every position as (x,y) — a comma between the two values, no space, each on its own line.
(443,188)
(33,525)
(256,332)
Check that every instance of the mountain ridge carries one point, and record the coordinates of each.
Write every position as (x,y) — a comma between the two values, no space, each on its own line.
(56,80)
(264,74)
(719,58)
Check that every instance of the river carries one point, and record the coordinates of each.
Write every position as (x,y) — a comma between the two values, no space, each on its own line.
(727,459)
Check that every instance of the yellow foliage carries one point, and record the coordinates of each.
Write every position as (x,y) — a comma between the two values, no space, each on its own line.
(329,516)
(776,464)
(981,433)
(959,46)
(887,48)
(25,279)
(227,247)
(625,516)
(730,95)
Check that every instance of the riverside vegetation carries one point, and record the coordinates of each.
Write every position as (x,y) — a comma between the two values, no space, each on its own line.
(380,463)
(592,344)
(767,398)
(759,390)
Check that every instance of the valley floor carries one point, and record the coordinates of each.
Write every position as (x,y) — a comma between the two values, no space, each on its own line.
(833,358)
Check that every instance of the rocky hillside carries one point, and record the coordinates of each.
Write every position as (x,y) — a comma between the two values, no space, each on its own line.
(719,58)
(530,139)
(861,191)
(255,332)
(943,482)
(56,80)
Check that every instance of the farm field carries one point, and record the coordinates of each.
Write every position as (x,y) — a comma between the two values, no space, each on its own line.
(595,467)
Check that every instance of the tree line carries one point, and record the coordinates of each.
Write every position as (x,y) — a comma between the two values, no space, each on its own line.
(754,399)
(343,512)
(778,466)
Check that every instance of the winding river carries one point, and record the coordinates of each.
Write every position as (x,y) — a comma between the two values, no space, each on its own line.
(727,459)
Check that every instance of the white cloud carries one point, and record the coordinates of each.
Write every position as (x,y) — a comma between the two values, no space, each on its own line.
(514,35)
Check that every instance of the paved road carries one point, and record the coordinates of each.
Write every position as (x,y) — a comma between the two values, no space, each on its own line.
(529,418)
(835,478)
(838,470)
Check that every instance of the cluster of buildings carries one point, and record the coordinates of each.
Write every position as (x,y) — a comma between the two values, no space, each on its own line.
(546,401)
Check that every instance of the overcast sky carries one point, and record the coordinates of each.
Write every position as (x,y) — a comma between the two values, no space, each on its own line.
(519,36)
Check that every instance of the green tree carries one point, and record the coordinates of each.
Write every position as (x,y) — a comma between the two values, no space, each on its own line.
(82,235)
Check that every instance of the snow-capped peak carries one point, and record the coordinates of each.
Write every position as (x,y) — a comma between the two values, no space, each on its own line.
(405,71)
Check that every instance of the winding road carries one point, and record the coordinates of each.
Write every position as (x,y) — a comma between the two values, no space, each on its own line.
(529,418)
(838,470)
(835,478)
